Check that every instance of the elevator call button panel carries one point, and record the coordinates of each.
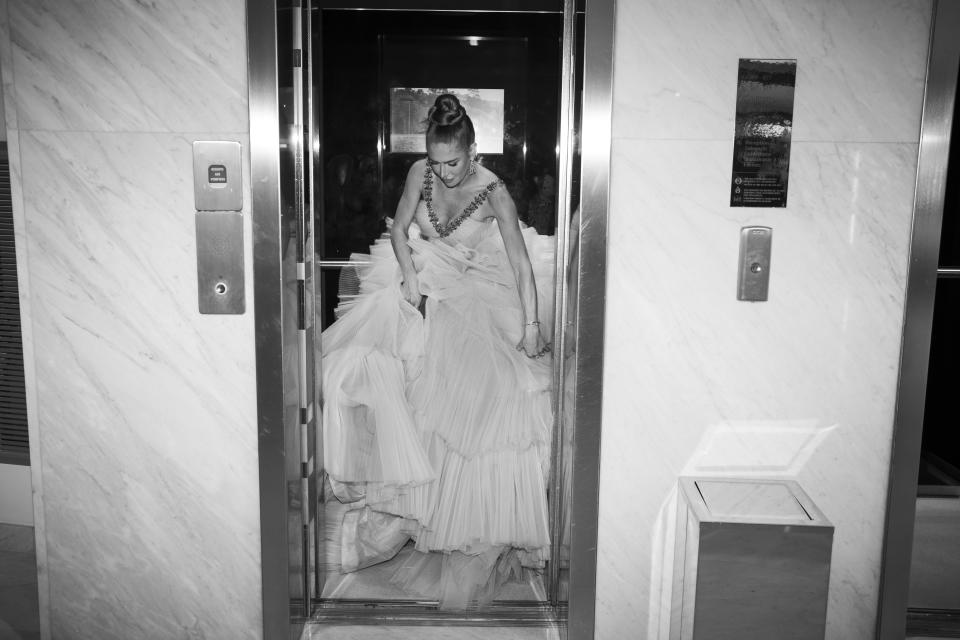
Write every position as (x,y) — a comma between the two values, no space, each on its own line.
(753,277)
(218,199)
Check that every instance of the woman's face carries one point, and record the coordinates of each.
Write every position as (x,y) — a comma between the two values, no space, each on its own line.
(449,162)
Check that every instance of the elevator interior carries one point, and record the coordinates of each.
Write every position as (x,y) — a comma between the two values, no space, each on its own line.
(377,67)
(349,80)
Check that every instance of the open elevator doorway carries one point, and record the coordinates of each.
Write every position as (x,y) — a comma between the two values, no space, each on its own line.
(370,73)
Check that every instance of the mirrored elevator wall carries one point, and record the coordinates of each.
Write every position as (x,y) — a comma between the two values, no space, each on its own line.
(801,386)
(143,420)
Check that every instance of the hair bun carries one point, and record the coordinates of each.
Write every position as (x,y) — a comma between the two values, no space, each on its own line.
(446,110)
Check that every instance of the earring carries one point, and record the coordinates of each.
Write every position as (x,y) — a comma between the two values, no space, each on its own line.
(473,165)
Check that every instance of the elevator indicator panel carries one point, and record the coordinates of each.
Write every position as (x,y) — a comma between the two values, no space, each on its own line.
(216,176)
(753,278)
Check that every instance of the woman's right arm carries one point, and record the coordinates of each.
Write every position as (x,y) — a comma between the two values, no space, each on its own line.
(399,237)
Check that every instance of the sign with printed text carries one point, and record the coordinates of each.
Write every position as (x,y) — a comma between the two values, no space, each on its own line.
(761,143)
(408,117)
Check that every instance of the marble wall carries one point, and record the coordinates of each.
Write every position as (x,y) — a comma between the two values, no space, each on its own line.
(143,411)
(803,385)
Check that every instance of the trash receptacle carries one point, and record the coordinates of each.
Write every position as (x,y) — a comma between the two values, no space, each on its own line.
(752,560)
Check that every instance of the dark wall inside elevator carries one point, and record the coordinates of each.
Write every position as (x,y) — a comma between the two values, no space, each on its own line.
(940,462)
(364,54)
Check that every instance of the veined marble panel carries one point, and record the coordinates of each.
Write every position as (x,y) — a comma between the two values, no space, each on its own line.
(121,65)
(6,67)
(694,379)
(860,66)
(147,416)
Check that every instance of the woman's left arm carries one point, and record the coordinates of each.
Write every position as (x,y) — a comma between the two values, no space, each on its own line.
(532,342)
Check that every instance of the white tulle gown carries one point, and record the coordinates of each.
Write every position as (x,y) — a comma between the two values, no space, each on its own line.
(435,426)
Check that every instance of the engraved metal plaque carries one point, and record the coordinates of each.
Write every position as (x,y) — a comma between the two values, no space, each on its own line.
(216,176)
(220,284)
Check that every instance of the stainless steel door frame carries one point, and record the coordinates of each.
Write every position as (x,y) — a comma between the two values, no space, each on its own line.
(276,336)
(565,154)
(591,269)
(275,303)
(935,129)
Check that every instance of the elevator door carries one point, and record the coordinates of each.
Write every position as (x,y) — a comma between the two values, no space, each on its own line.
(374,74)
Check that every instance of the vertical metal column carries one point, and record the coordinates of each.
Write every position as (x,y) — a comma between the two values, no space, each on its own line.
(564,182)
(315,193)
(595,147)
(935,130)
(274,307)
(299,144)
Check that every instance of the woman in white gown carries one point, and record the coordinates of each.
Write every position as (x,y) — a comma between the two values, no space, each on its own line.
(437,381)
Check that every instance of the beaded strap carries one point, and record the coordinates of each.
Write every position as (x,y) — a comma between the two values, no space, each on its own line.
(451,226)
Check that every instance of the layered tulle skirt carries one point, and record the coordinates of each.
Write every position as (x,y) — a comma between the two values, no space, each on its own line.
(435,426)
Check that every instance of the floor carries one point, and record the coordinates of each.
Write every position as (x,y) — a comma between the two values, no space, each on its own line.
(377,582)
(19,610)
(935,567)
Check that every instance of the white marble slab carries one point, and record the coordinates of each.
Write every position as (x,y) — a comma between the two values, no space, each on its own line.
(860,66)
(691,371)
(147,418)
(6,67)
(115,65)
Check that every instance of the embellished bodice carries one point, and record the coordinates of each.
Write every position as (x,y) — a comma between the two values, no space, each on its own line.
(426,212)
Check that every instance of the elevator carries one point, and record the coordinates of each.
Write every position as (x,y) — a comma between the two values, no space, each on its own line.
(338,95)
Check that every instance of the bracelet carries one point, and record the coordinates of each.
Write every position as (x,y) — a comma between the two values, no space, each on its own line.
(536,322)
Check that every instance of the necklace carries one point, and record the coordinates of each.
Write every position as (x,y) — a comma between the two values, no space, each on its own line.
(444,230)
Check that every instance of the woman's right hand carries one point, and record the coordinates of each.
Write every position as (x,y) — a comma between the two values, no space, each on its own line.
(410,289)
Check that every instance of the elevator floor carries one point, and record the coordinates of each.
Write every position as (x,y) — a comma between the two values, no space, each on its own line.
(374,583)
(935,566)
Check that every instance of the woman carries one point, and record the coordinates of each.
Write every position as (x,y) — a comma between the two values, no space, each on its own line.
(436,379)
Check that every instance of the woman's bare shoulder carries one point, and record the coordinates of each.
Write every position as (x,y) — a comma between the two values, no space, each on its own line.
(413,183)
(418,166)
(486,176)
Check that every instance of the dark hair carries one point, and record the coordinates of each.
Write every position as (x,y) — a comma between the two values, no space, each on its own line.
(447,121)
